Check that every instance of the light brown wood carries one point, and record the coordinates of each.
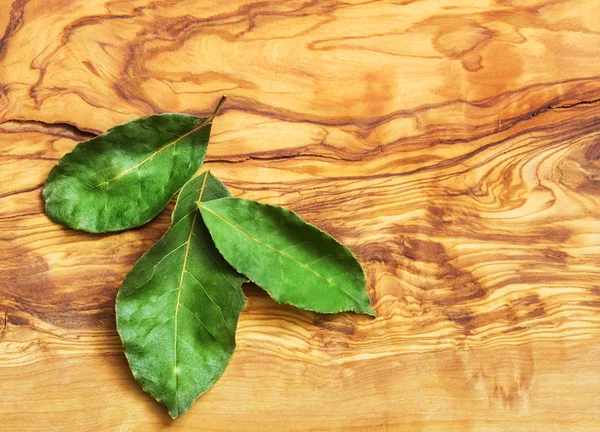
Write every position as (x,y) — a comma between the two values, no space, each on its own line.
(453,145)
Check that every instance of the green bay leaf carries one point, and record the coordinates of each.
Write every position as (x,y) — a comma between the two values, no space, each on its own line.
(178,308)
(295,262)
(125,177)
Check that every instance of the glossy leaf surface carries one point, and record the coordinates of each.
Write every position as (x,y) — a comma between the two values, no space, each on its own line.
(293,261)
(178,308)
(125,177)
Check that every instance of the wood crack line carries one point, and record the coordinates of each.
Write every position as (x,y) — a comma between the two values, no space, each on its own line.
(585,102)
(4,322)
(64,130)
(274,156)
(547,108)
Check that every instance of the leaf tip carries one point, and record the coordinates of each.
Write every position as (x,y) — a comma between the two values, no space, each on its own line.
(175,409)
(369,311)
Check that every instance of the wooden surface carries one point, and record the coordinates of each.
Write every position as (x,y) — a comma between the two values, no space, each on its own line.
(454,145)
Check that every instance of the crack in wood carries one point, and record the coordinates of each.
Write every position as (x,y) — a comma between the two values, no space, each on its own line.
(63,130)
(585,102)
(4,322)
(234,159)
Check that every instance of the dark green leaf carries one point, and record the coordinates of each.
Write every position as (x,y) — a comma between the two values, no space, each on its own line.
(126,176)
(178,308)
(293,261)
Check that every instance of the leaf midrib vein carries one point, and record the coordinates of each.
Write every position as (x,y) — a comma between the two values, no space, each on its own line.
(183,271)
(172,143)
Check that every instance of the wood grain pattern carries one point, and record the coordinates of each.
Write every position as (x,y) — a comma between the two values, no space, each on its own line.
(454,146)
